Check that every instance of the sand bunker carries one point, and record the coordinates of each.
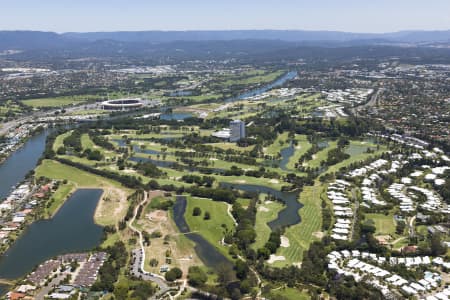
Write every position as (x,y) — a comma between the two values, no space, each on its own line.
(318,234)
(284,242)
(273,258)
(274,181)
(263,208)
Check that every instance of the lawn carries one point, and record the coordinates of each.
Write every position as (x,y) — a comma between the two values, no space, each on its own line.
(385,225)
(59,101)
(302,235)
(212,229)
(262,218)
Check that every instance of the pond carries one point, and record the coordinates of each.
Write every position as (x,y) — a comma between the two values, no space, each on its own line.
(287,216)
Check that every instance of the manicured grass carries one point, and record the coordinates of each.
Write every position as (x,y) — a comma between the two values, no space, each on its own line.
(301,235)
(384,224)
(302,147)
(86,142)
(355,158)
(59,101)
(280,142)
(262,218)
(321,155)
(55,170)
(234,146)
(266,78)
(289,293)
(212,229)
(60,139)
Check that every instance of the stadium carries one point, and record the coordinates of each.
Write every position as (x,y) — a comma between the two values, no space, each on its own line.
(122,104)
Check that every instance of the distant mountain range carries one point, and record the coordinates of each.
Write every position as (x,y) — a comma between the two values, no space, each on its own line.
(283,35)
(30,40)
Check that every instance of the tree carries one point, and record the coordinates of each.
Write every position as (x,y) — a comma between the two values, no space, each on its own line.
(154,262)
(196,211)
(241,269)
(207,215)
(173,274)
(196,276)
(436,245)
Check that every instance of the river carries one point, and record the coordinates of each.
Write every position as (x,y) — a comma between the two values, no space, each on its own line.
(20,162)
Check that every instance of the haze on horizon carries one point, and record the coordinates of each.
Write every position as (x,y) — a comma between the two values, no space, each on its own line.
(374,16)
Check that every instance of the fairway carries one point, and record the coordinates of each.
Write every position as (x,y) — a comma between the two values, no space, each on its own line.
(266,212)
(302,147)
(303,234)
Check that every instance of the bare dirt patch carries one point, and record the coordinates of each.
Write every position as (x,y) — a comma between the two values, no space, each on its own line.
(179,248)
(112,206)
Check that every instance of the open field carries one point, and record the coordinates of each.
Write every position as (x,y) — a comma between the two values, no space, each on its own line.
(59,101)
(212,230)
(385,225)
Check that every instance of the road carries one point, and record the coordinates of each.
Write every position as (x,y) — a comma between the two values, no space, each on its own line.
(371,103)
(411,226)
(355,218)
(46,289)
(138,261)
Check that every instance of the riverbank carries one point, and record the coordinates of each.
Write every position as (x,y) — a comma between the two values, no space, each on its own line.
(17,137)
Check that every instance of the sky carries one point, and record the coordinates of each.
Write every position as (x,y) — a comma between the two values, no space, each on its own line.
(114,15)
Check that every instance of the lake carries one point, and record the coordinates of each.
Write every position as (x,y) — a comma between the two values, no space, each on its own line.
(72,229)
